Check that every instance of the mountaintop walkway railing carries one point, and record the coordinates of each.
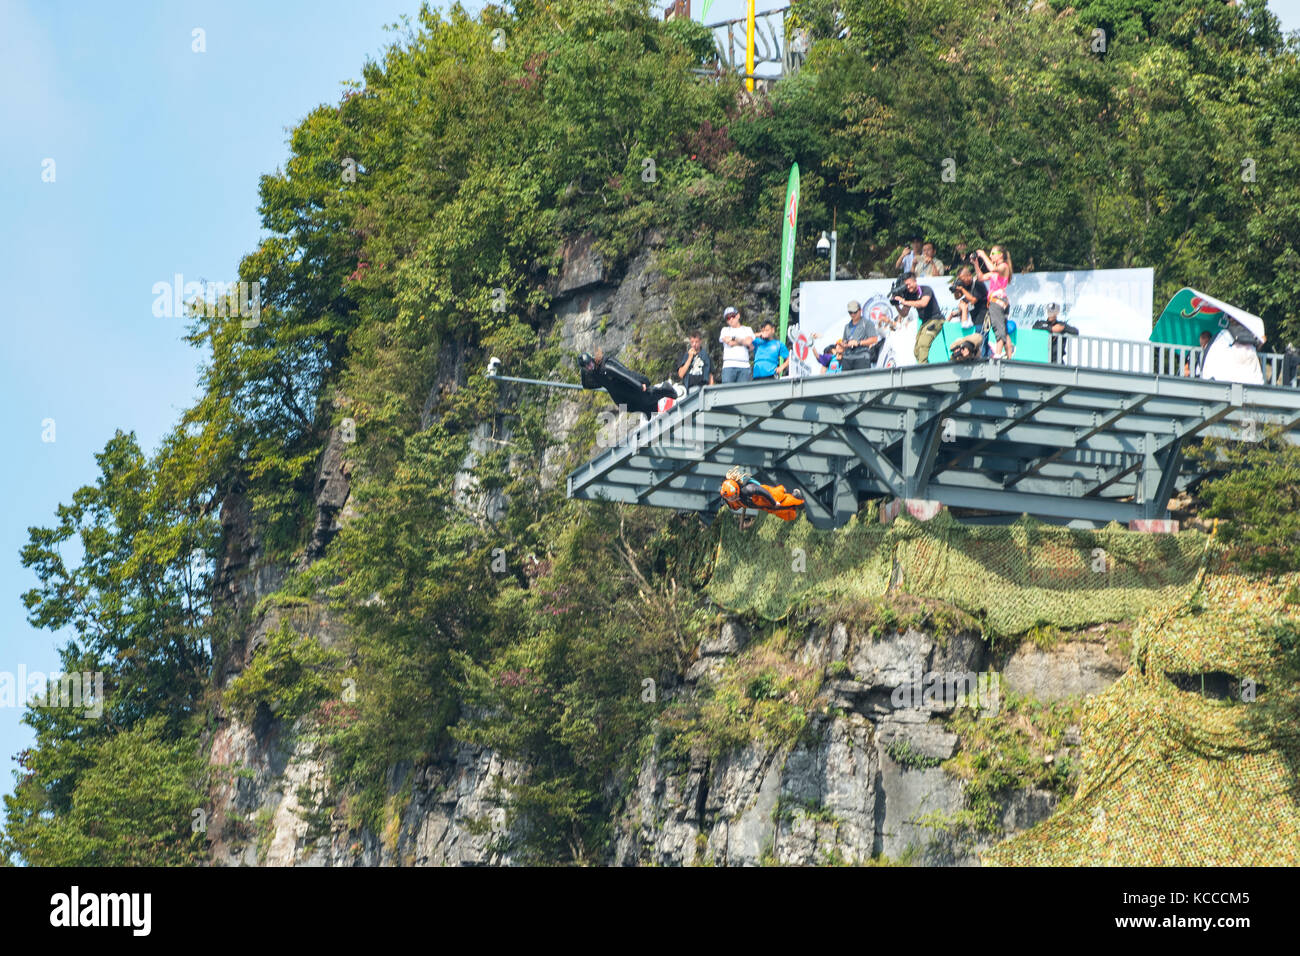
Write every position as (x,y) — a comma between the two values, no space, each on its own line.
(1148,358)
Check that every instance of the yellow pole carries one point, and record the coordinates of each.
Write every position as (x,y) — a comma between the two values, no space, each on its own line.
(749,48)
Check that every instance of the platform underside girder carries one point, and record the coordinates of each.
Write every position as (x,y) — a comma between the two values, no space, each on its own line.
(1057,442)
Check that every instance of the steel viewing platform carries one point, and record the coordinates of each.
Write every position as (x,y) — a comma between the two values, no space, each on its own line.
(1069,442)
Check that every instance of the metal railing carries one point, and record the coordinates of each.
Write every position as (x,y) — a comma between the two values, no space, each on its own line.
(770,45)
(1149,358)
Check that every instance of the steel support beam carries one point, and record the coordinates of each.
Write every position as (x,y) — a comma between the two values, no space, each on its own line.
(875,460)
(1060,442)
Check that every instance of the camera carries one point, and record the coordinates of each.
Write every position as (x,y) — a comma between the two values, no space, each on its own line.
(494,367)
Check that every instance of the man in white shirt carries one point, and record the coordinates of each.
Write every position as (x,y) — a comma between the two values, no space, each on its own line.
(737,341)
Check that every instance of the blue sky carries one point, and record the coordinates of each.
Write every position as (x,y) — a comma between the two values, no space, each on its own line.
(156,155)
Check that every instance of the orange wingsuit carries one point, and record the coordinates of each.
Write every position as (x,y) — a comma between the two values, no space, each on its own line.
(740,493)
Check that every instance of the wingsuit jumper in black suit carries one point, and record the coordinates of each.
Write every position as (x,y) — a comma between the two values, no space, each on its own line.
(626,387)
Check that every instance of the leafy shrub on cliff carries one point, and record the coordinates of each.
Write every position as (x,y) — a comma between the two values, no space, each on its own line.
(1015,748)
(761,697)
(289,675)
(577,667)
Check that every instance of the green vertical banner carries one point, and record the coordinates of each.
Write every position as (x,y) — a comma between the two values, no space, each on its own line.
(705,12)
(790,220)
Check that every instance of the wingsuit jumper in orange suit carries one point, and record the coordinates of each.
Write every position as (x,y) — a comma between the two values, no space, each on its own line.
(741,491)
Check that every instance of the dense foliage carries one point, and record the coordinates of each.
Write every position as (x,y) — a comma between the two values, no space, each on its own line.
(1257,498)
(1175,146)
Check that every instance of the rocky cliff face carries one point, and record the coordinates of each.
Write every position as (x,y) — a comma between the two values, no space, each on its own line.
(271,798)
(861,784)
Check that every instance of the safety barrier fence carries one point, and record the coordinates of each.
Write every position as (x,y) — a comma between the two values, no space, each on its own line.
(1150,358)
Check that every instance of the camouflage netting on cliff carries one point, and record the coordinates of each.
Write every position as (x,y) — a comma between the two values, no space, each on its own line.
(1016,576)
(1172,777)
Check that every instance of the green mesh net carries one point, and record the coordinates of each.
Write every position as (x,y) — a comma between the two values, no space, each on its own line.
(1170,775)
(1173,777)
(1014,576)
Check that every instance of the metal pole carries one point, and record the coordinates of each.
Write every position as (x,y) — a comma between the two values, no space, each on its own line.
(532,381)
(749,48)
(835,222)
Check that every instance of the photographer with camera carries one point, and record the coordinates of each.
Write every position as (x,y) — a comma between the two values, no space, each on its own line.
(972,298)
(861,337)
(960,257)
(929,317)
(997,277)
(909,257)
(967,348)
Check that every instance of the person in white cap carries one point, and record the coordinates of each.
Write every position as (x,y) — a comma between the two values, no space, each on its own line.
(737,341)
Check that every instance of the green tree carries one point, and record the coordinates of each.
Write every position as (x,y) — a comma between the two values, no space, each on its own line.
(1258,502)
(137,603)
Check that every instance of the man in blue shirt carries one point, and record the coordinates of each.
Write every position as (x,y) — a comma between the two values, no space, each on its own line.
(770,356)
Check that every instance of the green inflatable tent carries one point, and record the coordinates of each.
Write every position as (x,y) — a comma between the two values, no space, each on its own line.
(1189,313)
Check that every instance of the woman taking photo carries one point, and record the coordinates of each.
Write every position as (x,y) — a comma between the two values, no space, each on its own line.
(997,278)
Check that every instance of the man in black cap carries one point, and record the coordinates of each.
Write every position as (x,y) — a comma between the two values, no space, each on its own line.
(627,388)
(1057,326)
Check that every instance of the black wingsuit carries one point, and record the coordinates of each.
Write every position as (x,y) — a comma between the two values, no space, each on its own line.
(626,387)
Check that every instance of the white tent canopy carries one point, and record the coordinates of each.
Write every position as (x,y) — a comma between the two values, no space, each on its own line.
(1252,322)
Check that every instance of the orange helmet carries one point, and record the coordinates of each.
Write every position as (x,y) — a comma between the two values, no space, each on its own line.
(731,491)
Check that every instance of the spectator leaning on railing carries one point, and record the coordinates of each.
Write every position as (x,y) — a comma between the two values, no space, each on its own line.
(832,359)
(1200,358)
(770,355)
(1054,324)
(696,368)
